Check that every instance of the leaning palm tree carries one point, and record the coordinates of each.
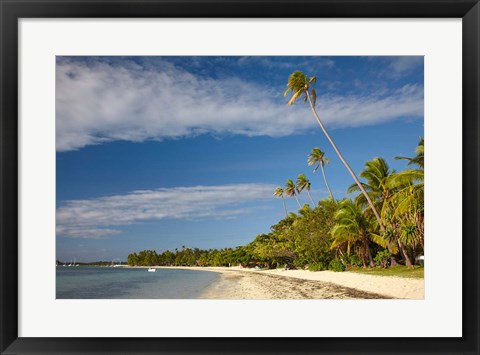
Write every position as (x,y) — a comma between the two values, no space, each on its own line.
(291,191)
(299,85)
(304,183)
(318,157)
(279,193)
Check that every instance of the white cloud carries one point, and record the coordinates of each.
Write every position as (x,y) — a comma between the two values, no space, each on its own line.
(404,64)
(100,102)
(94,218)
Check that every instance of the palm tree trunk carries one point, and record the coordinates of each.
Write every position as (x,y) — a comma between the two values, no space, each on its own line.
(368,252)
(408,262)
(345,162)
(299,205)
(311,199)
(326,183)
(284,207)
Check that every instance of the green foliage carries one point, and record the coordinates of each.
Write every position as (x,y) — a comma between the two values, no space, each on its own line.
(382,258)
(336,265)
(319,266)
(354,260)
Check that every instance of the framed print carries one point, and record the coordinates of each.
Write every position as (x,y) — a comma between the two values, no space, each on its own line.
(220,177)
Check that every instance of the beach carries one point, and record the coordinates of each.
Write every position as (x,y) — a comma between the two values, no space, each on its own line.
(242,283)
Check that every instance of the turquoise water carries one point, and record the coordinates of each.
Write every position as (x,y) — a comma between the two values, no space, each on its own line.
(87,282)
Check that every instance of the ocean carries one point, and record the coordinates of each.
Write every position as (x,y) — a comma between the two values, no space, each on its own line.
(89,282)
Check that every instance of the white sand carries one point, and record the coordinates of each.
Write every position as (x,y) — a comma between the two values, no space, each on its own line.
(391,286)
(238,283)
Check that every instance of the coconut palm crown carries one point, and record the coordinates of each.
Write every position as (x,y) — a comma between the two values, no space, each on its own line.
(318,158)
(299,85)
(291,190)
(279,193)
(304,183)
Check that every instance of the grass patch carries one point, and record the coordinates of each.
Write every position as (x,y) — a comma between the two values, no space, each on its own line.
(400,271)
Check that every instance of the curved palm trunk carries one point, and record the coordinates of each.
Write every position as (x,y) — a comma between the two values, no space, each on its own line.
(311,199)
(326,183)
(299,205)
(284,207)
(344,161)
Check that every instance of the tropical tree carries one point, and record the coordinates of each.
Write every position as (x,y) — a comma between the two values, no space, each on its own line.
(352,226)
(419,158)
(409,200)
(411,180)
(300,85)
(279,193)
(291,190)
(304,183)
(380,184)
(317,158)
(388,190)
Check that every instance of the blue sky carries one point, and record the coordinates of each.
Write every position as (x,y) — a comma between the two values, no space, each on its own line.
(164,152)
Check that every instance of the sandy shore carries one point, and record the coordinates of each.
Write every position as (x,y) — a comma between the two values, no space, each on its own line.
(236,283)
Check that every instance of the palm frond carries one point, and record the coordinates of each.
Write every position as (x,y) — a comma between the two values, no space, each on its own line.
(295,97)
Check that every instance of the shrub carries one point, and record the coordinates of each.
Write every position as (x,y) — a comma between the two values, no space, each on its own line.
(336,265)
(355,260)
(382,258)
(318,266)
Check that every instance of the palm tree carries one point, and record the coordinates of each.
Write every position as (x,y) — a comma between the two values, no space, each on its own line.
(411,180)
(299,85)
(279,193)
(352,226)
(418,159)
(318,157)
(381,186)
(409,199)
(291,190)
(304,183)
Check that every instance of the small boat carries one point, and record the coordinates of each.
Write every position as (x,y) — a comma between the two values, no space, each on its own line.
(151,269)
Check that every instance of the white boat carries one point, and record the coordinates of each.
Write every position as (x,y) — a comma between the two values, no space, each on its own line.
(151,269)
(116,265)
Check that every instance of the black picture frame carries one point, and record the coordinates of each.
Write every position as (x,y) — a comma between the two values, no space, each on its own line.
(12,11)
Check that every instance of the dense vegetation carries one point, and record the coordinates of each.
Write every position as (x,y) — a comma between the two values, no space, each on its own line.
(381,225)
